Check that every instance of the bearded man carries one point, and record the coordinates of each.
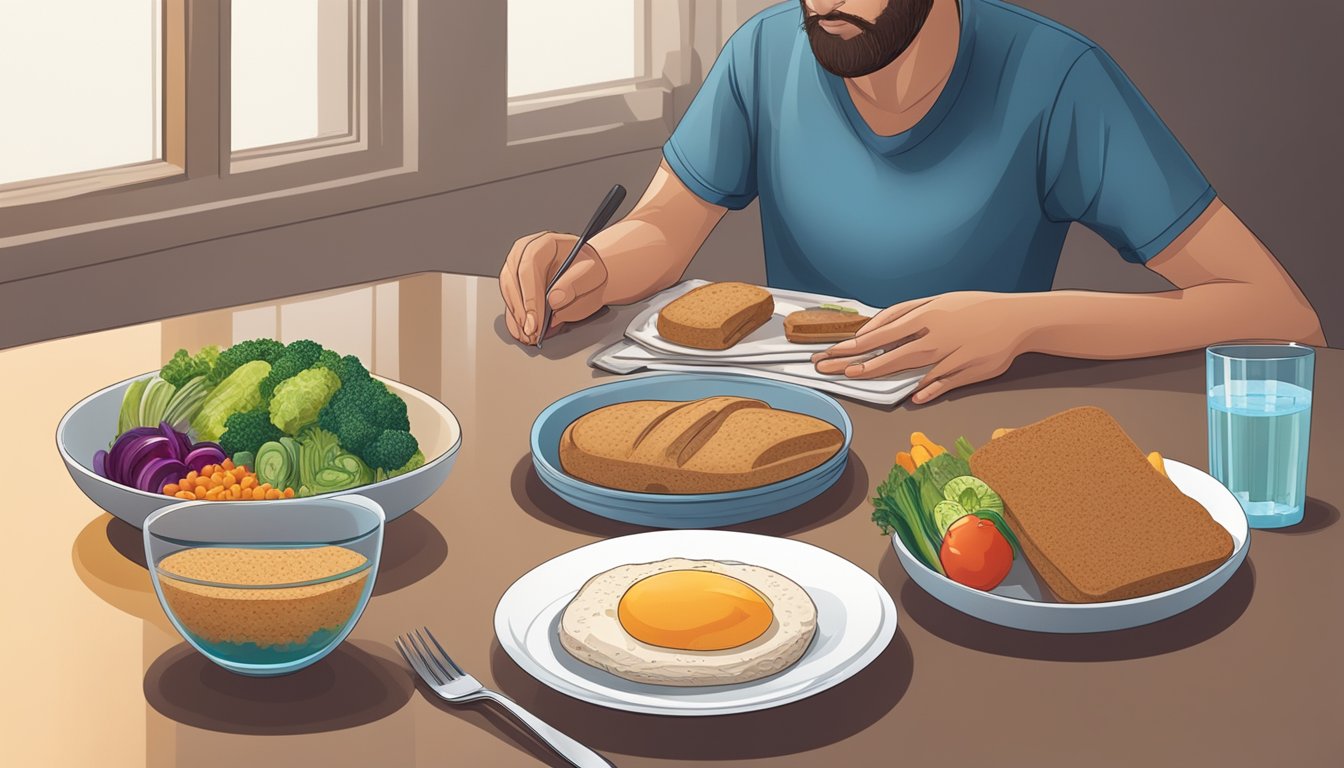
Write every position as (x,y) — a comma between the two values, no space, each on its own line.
(929,156)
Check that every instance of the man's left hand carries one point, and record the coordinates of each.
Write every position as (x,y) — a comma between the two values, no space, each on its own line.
(966,336)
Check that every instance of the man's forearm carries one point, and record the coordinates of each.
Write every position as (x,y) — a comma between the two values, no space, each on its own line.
(651,247)
(640,259)
(1120,325)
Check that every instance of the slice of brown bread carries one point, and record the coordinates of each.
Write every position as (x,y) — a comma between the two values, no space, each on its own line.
(1097,522)
(713,445)
(817,326)
(715,316)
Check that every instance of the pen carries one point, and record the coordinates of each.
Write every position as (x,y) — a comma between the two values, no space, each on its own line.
(600,218)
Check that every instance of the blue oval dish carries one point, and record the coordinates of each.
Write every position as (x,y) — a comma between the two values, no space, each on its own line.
(704,510)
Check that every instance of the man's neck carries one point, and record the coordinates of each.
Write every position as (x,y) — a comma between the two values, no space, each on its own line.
(912,82)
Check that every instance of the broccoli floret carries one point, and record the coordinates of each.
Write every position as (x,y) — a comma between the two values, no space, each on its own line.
(183,367)
(351,370)
(389,412)
(391,450)
(329,360)
(242,353)
(304,349)
(354,431)
(361,411)
(282,370)
(247,431)
(298,356)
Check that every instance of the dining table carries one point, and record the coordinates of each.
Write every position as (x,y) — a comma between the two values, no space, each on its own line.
(96,675)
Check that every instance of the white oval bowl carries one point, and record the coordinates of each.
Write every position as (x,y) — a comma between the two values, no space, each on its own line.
(91,424)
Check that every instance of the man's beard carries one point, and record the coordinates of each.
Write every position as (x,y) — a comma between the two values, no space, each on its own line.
(878,43)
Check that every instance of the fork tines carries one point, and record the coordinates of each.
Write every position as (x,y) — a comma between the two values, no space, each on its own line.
(438,669)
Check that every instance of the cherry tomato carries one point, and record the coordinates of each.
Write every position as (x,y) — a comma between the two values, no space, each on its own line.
(974,553)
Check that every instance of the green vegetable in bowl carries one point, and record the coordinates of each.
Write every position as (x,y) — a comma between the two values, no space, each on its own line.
(972,494)
(298,399)
(184,367)
(392,449)
(417,461)
(242,353)
(145,404)
(361,414)
(297,356)
(238,392)
(276,466)
(248,431)
(129,416)
(186,403)
(324,467)
(920,507)
(245,459)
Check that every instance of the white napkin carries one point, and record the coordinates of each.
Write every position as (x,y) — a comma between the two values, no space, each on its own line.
(625,357)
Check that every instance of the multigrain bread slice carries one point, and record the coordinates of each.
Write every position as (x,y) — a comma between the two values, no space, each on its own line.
(713,445)
(822,326)
(715,316)
(1096,521)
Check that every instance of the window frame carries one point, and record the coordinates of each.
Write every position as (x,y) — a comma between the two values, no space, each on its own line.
(458,52)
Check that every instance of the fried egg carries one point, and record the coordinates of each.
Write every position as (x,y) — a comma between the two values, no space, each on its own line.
(689,622)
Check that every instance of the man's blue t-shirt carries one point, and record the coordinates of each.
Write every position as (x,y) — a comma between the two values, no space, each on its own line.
(1036,128)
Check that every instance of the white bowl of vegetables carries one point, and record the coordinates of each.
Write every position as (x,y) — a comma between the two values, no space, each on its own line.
(259,420)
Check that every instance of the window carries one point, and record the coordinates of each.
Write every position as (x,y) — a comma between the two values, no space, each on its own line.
(290,76)
(83,87)
(554,46)
(301,109)
(599,67)
(280,106)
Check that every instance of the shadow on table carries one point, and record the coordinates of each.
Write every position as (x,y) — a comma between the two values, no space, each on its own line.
(358,683)
(812,723)
(413,548)
(1183,630)
(1181,372)
(108,556)
(571,339)
(1316,516)
(849,491)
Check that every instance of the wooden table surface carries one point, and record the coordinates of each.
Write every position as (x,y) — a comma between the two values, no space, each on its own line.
(96,675)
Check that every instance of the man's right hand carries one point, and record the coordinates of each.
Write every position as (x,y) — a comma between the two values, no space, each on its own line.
(531,264)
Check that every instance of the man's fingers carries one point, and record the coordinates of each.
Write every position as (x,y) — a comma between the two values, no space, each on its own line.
(508,276)
(894,312)
(959,378)
(512,325)
(585,276)
(897,333)
(900,359)
(958,371)
(534,271)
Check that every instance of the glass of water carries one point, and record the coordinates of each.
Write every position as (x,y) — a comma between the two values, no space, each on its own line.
(1259,399)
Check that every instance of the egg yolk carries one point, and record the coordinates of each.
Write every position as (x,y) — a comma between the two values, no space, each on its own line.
(694,611)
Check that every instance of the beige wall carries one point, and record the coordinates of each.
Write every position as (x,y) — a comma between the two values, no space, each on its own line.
(1243,86)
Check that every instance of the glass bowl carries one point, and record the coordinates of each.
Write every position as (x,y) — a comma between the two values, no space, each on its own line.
(265,587)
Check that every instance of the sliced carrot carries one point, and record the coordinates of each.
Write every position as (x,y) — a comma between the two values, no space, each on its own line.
(906,462)
(920,454)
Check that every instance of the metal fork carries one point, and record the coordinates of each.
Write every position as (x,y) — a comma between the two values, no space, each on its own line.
(446,679)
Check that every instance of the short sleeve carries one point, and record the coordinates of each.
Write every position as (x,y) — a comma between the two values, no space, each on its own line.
(713,149)
(1109,162)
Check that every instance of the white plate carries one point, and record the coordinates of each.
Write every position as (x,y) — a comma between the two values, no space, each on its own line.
(856,619)
(1023,602)
(766,344)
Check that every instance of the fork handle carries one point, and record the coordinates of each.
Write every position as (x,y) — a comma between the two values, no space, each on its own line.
(568,748)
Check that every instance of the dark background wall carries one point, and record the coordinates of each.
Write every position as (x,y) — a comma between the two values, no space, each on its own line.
(1250,88)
